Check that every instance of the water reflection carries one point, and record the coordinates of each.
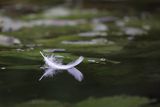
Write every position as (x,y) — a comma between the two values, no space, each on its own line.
(121,66)
(131,77)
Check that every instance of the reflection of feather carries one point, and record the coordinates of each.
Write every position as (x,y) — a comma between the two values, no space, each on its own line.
(48,73)
(76,73)
(53,64)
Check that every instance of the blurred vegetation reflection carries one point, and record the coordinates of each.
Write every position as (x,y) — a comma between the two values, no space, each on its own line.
(118,38)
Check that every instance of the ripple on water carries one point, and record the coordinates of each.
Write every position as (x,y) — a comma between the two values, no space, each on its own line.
(99,41)
(54,50)
(101,61)
(3,68)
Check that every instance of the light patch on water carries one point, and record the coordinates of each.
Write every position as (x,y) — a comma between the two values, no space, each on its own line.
(7,24)
(146,27)
(33,45)
(132,31)
(97,60)
(100,27)
(112,61)
(54,50)
(102,61)
(92,34)
(91,60)
(100,41)
(126,19)
(130,38)
(3,68)
(30,49)
(120,23)
(20,50)
(8,40)
(57,11)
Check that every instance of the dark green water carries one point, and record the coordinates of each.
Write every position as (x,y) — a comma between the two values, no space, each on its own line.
(129,75)
(133,77)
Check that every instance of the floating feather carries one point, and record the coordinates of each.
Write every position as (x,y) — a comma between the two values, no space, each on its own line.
(60,66)
(54,65)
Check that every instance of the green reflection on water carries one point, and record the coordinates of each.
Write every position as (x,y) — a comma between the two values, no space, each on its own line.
(131,69)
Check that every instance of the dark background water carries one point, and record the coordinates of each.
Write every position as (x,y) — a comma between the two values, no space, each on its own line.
(125,69)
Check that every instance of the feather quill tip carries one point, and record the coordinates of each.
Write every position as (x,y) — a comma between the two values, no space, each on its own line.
(42,54)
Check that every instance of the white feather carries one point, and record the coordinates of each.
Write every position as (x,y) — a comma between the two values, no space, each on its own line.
(60,66)
(48,73)
(54,65)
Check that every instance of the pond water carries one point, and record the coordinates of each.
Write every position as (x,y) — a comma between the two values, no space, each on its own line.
(124,73)
(126,76)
